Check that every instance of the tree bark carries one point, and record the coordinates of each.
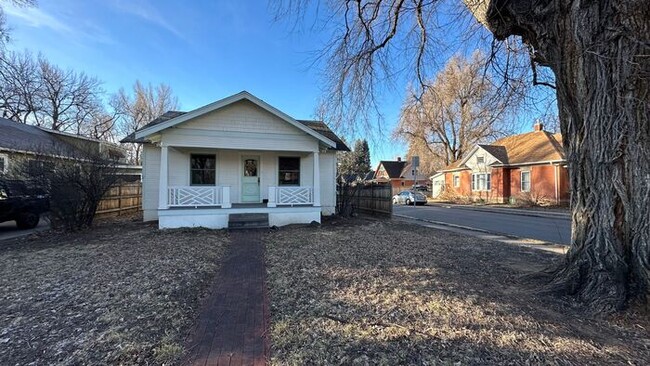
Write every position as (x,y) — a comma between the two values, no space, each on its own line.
(600,54)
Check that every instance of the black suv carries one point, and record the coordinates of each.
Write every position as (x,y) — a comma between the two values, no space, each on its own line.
(20,202)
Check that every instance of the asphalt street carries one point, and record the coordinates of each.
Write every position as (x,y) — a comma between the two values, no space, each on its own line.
(550,229)
(8,229)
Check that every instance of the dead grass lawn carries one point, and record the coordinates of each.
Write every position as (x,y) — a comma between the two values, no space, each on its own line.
(123,293)
(372,292)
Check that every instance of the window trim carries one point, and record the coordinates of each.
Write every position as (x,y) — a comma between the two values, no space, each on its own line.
(475,182)
(299,171)
(521,180)
(5,167)
(215,170)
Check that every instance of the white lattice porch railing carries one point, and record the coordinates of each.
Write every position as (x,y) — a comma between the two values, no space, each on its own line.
(188,196)
(289,196)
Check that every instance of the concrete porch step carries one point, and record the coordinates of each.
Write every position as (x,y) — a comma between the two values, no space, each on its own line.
(248,221)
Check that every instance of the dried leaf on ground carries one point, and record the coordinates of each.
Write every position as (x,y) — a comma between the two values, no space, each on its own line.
(382,292)
(120,293)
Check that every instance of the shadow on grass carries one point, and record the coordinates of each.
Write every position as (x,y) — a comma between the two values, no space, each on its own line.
(379,292)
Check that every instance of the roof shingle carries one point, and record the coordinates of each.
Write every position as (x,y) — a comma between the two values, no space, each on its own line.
(18,136)
(525,148)
(393,168)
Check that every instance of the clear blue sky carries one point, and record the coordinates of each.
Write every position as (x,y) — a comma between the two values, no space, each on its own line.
(206,51)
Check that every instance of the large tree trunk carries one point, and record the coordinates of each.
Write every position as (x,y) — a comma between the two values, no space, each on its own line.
(600,54)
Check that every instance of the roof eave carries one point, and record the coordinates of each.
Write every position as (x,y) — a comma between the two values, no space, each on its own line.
(227,101)
(541,162)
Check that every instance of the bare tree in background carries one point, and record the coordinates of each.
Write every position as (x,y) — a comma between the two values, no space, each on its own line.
(68,99)
(5,30)
(462,107)
(145,104)
(598,54)
(429,162)
(20,85)
(34,91)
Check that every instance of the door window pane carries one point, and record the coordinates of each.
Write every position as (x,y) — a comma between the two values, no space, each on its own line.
(289,171)
(202,170)
(250,168)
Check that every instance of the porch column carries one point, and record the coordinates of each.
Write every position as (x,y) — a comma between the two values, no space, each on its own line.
(162,181)
(316,179)
(225,197)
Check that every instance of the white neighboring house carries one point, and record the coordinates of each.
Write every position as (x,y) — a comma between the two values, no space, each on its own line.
(437,184)
(236,155)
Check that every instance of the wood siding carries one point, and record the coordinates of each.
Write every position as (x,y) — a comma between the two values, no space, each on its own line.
(241,126)
(150,174)
(229,171)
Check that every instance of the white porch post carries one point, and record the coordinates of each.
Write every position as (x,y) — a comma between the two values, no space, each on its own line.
(316,179)
(272,195)
(162,181)
(225,197)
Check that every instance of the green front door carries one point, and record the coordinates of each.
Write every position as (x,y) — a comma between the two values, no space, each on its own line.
(250,181)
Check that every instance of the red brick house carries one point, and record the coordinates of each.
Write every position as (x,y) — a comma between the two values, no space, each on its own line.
(399,173)
(525,167)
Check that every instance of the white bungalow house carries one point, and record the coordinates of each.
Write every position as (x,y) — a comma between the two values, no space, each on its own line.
(238,155)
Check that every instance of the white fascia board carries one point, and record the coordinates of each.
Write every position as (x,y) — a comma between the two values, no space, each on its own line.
(473,151)
(543,162)
(225,102)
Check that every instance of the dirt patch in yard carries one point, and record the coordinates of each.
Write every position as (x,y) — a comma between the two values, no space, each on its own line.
(123,292)
(381,292)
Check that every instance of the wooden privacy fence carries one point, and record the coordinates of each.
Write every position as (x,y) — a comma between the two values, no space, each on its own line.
(372,198)
(121,199)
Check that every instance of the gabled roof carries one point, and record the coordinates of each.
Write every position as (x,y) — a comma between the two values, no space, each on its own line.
(499,152)
(20,137)
(393,168)
(323,129)
(165,117)
(160,125)
(532,147)
(525,148)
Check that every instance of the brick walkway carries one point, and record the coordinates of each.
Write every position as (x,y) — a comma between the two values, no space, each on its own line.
(231,329)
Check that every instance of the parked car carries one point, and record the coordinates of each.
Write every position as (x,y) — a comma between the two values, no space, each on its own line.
(408,197)
(22,203)
(421,188)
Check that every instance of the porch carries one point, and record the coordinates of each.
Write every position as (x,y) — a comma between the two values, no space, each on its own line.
(220,197)
(218,217)
(203,187)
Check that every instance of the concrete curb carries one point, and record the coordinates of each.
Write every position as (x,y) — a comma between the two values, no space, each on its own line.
(507,211)
(453,225)
(524,242)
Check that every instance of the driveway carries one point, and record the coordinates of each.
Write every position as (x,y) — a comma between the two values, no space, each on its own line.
(553,229)
(8,230)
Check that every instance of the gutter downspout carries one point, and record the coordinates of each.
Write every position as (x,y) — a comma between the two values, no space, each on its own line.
(557,195)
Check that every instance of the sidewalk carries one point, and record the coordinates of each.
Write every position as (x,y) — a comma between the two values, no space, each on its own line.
(231,329)
(508,210)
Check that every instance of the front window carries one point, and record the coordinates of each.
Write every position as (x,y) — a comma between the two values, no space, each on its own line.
(3,164)
(456,181)
(202,170)
(289,171)
(481,182)
(525,181)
